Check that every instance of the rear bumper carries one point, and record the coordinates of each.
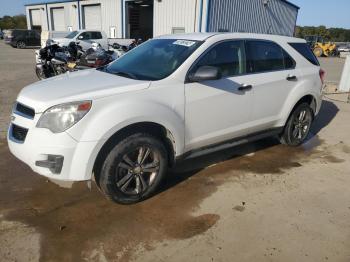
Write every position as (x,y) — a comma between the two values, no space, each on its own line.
(9,42)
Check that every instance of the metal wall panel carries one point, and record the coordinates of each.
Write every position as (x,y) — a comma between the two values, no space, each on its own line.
(35,15)
(57,19)
(177,14)
(110,14)
(92,19)
(39,16)
(70,16)
(188,15)
(253,16)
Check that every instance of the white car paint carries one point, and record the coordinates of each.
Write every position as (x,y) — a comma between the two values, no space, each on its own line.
(85,44)
(195,114)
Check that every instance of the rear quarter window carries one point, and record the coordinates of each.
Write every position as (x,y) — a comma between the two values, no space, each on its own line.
(305,51)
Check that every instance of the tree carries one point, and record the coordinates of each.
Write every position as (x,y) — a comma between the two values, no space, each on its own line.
(13,22)
(329,34)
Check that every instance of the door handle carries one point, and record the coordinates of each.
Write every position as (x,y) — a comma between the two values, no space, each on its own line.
(292,78)
(245,87)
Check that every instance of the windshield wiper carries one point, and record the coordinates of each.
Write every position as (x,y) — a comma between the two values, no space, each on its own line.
(125,74)
(119,73)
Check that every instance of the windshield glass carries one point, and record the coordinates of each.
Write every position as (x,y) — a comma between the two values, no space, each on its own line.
(72,34)
(154,59)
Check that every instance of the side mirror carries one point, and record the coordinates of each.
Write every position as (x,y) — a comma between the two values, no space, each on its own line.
(205,73)
(80,37)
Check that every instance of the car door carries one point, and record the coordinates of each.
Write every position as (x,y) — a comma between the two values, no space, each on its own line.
(97,37)
(29,38)
(218,110)
(37,39)
(273,76)
(85,40)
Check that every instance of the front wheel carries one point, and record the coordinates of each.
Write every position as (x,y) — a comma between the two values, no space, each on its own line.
(40,73)
(298,126)
(21,44)
(133,169)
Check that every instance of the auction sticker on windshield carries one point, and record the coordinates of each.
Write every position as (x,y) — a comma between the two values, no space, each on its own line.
(184,43)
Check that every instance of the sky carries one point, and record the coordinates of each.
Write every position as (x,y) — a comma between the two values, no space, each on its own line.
(331,13)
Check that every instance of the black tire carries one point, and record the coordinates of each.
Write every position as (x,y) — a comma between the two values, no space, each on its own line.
(40,73)
(298,125)
(21,44)
(127,179)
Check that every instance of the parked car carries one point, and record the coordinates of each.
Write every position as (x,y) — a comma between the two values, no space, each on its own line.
(84,37)
(21,38)
(344,48)
(172,98)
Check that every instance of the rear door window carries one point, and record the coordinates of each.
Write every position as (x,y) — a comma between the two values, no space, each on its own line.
(229,56)
(264,56)
(306,52)
(96,35)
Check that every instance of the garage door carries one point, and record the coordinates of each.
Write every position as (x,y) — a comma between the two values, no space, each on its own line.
(35,17)
(57,19)
(92,17)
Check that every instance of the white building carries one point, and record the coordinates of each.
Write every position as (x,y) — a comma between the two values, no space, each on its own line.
(148,18)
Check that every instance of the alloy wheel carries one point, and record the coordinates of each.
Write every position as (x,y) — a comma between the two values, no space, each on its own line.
(137,170)
(21,45)
(301,125)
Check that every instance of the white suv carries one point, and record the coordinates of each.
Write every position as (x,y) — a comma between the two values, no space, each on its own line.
(171,98)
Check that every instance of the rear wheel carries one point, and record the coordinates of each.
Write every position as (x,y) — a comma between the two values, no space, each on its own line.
(133,169)
(298,126)
(21,44)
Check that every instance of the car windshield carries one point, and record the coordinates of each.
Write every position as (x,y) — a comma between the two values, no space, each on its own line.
(153,60)
(72,34)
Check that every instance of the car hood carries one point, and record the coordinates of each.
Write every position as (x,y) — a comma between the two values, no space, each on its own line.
(62,41)
(77,86)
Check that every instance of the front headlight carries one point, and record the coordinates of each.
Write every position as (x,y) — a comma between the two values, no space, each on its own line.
(61,117)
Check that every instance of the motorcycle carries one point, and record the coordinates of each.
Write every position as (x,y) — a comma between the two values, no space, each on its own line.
(50,61)
(53,60)
(96,56)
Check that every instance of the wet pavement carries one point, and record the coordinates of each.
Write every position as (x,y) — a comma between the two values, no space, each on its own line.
(71,221)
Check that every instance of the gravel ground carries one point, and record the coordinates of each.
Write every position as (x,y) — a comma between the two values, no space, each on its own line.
(16,71)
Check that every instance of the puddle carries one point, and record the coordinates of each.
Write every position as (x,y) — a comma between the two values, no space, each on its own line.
(74,221)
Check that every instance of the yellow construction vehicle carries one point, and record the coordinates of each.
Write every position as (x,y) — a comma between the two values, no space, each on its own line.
(320,47)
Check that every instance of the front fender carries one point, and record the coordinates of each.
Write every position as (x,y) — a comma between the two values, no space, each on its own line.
(104,121)
(101,124)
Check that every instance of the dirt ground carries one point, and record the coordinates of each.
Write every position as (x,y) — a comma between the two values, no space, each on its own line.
(259,202)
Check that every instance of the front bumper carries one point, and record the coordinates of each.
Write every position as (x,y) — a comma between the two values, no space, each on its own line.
(56,156)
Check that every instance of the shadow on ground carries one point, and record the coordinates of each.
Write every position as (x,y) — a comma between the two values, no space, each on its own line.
(190,167)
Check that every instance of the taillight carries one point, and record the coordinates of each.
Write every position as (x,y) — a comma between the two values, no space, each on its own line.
(99,62)
(322,75)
